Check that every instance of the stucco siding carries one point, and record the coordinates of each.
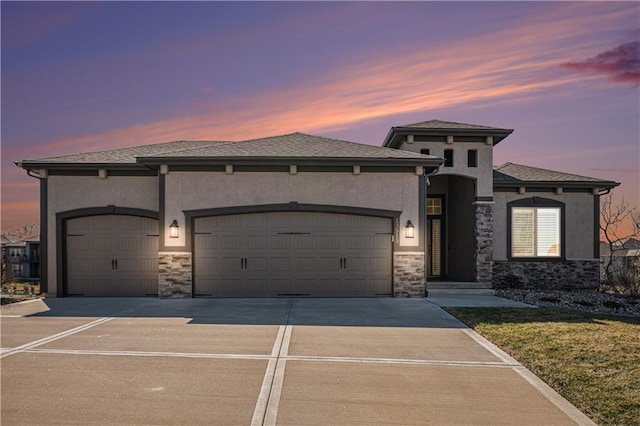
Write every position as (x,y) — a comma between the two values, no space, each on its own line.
(483,173)
(205,190)
(75,192)
(579,222)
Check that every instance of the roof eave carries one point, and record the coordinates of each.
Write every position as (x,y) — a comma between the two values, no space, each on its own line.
(286,161)
(555,184)
(392,140)
(37,165)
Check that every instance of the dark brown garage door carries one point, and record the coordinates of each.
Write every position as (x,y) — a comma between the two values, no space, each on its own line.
(112,255)
(292,253)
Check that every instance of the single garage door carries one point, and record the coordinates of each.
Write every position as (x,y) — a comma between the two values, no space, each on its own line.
(112,255)
(292,253)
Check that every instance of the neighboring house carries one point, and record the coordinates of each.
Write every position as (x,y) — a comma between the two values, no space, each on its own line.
(22,258)
(626,254)
(306,215)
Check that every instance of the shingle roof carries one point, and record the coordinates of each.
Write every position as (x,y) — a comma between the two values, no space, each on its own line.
(123,155)
(441,124)
(5,239)
(294,145)
(511,172)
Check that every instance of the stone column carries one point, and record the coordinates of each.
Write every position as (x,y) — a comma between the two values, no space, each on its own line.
(408,274)
(174,275)
(483,241)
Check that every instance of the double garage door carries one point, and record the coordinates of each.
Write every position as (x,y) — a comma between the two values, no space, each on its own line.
(244,255)
(292,253)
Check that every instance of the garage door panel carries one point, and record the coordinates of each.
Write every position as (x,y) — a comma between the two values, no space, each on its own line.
(79,244)
(257,242)
(206,242)
(99,244)
(90,286)
(229,242)
(276,264)
(223,287)
(149,244)
(280,242)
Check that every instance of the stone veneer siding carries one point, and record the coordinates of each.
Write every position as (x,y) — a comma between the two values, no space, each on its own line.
(174,275)
(408,274)
(483,242)
(562,275)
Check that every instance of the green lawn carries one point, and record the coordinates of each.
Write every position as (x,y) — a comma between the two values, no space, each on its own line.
(591,360)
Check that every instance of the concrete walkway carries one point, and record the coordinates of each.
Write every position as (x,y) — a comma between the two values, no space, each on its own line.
(261,361)
(477,301)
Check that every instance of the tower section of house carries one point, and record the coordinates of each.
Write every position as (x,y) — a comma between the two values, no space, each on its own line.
(458,198)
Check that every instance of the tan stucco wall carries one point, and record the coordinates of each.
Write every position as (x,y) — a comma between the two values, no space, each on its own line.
(579,222)
(204,190)
(483,173)
(76,192)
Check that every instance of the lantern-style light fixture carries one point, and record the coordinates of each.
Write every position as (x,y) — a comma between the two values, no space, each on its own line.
(409,230)
(174,229)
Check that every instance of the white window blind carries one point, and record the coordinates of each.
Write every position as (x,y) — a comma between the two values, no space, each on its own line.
(548,235)
(535,232)
(523,232)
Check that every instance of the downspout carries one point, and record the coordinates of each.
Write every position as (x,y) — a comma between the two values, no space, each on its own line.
(44,229)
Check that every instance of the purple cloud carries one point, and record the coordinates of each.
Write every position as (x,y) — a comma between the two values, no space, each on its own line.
(621,64)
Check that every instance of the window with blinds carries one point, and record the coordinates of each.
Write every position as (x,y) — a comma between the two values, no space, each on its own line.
(535,232)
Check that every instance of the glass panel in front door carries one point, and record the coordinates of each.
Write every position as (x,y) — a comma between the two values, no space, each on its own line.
(435,240)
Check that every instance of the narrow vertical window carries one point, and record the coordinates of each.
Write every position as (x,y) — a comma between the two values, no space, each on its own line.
(472,158)
(448,158)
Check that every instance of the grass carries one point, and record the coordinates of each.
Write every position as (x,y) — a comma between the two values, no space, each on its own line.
(591,360)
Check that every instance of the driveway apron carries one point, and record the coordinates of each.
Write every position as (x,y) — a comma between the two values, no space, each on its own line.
(286,361)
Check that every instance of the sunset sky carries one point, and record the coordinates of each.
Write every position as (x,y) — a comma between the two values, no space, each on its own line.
(83,76)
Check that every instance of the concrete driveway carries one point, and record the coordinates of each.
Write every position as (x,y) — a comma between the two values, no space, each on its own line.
(260,361)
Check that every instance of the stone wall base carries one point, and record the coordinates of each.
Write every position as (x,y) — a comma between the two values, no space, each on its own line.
(174,275)
(408,274)
(564,275)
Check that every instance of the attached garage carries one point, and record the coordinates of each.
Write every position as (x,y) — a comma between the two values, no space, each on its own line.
(292,253)
(111,255)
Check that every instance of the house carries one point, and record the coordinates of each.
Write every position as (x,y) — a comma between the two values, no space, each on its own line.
(22,258)
(305,215)
(626,254)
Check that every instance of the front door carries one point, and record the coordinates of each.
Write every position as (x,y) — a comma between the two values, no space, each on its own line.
(435,237)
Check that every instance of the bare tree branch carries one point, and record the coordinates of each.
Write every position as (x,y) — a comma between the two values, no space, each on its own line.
(618,222)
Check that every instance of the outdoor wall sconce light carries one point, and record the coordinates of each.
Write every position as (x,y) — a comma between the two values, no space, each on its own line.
(174,229)
(409,231)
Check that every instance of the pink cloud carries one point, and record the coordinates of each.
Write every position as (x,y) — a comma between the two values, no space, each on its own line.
(621,64)
(207,89)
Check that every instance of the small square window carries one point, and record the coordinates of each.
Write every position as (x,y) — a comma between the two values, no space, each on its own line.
(472,158)
(425,151)
(434,206)
(448,158)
